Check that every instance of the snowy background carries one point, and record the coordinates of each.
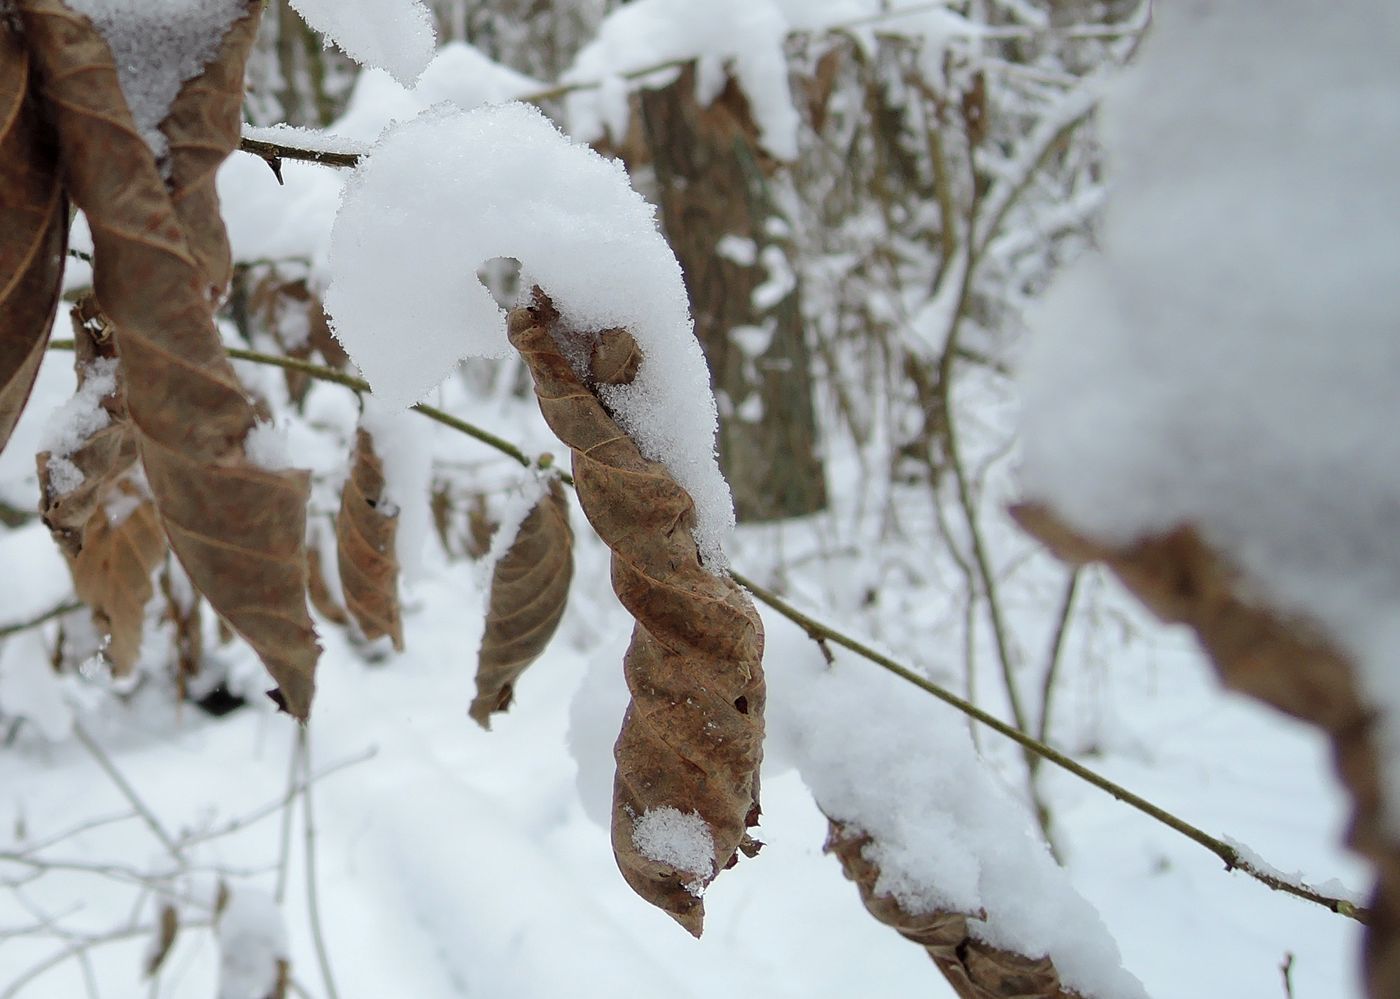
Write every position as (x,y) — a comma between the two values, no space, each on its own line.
(450,861)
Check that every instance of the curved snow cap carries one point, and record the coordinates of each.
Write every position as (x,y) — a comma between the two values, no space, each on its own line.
(392,35)
(1228,360)
(945,832)
(443,193)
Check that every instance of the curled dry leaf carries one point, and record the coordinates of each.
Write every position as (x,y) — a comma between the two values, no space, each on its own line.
(165,939)
(160,262)
(692,738)
(113,574)
(286,309)
(1282,661)
(529,590)
(975,970)
(33,229)
(364,534)
(72,485)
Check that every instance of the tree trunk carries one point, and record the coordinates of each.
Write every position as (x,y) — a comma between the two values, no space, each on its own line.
(719,214)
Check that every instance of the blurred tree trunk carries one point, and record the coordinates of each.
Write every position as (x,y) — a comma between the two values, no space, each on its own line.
(718,210)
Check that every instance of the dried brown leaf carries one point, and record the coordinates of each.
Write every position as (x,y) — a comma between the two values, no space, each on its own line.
(529,590)
(692,738)
(100,459)
(33,229)
(160,261)
(1283,661)
(288,310)
(975,970)
(364,533)
(123,545)
(160,947)
(319,590)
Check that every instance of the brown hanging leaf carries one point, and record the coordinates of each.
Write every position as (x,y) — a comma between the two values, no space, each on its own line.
(1281,660)
(33,229)
(161,261)
(73,484)
(122,547)
(165,939)
(292,314)
(319,590)
(692,738)
(975,970)
(529,589)
(364,534)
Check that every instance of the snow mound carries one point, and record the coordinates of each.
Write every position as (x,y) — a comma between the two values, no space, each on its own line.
(393,35)
(450,190)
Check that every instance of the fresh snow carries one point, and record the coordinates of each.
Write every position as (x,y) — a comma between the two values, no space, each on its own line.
(73,423)
(946,833)
(443,194)
(677,839)
(393,35)
(744,38)
(157,45)
(252,940)
(403,441)
(1228,358)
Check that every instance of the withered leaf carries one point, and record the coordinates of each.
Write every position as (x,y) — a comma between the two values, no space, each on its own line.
(529,590)
(365,530)
(975,969)
(319,590)
(692,738)
(290,312)
(123,546)
(160,259)
(33,229)
(1280,659)
(73,485)
(165,939)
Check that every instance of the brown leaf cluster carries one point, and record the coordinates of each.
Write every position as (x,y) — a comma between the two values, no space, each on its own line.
(365,530)
(975,970)
(1278,659)
(33,228)
(529,590)
(692,738)
(290,312)
(161,262)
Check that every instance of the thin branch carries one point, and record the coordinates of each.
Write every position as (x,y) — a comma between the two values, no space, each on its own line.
(1054,656)
(284,850)
(313,904)
(13,629)
(1231,857)
(814,627)
(82,946)
(109,768)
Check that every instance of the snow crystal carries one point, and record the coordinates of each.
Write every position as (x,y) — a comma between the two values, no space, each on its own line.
(157,45)
(677,839)
(1228,359)
(393,35)
(403,442)
(449,190)
(252,940)
(945,832)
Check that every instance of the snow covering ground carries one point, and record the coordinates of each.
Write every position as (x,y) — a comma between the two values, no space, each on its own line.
(449,861)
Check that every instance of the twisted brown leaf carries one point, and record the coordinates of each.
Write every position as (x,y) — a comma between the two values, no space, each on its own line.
(976,970)
(122,547)
(1281,660)
(103,456)
(692,738)
(161,260)
(364,534)
(529,589)
(33,229)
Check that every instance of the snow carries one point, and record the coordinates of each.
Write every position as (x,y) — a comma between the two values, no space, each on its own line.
(946,834)
(31,690)
(744,38)
(157,45)
(1228,358)
(444,193)
(392,35)
(267,447)
(72,424)
(252,940)
(677,839)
